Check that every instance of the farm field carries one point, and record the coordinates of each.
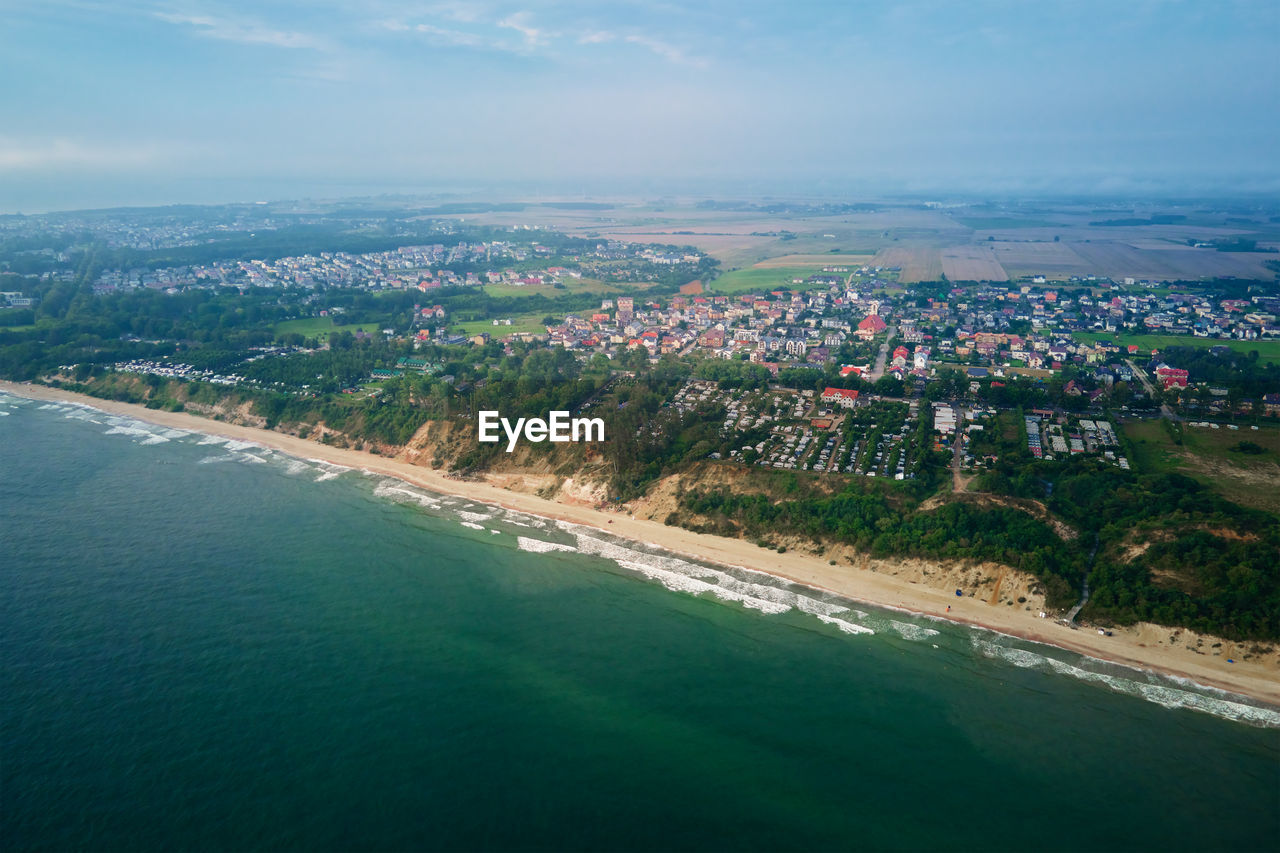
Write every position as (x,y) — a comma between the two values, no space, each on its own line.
(1207,455)
(760,278)
(972,263)
(321,327)
(817,262)
(1268,351)
(994,223)
(1118,260)
(916,264)
(1052,260)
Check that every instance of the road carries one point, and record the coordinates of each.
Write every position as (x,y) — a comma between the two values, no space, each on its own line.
(881,360)
(958,483)
(1165,411)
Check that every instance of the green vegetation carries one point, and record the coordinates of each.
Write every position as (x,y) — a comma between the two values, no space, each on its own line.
(763,279)
(887,523)
(321,327)
(570,286)
(528,323)
(1228,585)
(1212,457)
(1268,351)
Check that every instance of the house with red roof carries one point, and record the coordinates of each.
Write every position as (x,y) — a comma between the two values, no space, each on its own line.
(840,396)
(1172,377)
(871,326)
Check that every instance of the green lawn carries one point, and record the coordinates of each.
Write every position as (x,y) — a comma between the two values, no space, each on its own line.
(529,323)
(1268,351)
(763,279)
(322,327)
(1206,454)
(571,286)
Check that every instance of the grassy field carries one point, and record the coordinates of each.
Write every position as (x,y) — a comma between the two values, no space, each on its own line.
(761,279)
(1207,455)
(571,286)
(817,262)
(1268,351)
(322,327)
(529,323)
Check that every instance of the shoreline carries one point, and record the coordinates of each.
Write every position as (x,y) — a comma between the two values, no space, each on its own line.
(1128,647)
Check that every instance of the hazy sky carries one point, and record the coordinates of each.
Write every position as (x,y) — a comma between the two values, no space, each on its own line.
(131,102)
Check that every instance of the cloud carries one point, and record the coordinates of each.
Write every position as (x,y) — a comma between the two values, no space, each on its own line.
(597,37)
(533,36)
(669,52)
(241,31)
(453,38)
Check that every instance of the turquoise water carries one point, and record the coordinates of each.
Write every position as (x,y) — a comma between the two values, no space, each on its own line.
(209,645)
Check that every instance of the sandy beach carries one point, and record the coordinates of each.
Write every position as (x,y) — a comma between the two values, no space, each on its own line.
(1146,647)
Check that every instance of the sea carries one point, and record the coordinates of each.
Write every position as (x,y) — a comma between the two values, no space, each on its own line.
(207,644)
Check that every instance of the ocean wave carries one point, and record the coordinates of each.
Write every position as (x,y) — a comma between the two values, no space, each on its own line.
(847,627)
(210,460)
(539,546)
(908,631)
(1168,692)
(474,516)
(401,493)
(472,525)
(82,414)
(294,467)
(126,429)
(681,575)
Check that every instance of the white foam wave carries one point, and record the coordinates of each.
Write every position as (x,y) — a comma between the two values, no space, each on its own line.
(847,627)
(328,475)
(82,415)
(1147,686)
(209,460)
(472,525)
(400,493)
(538,546)
(684,576)
(126,429)
(908,631)
(474,516)
(156,439)
(212,439)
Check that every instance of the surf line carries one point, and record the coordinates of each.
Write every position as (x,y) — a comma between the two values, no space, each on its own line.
(557,427)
